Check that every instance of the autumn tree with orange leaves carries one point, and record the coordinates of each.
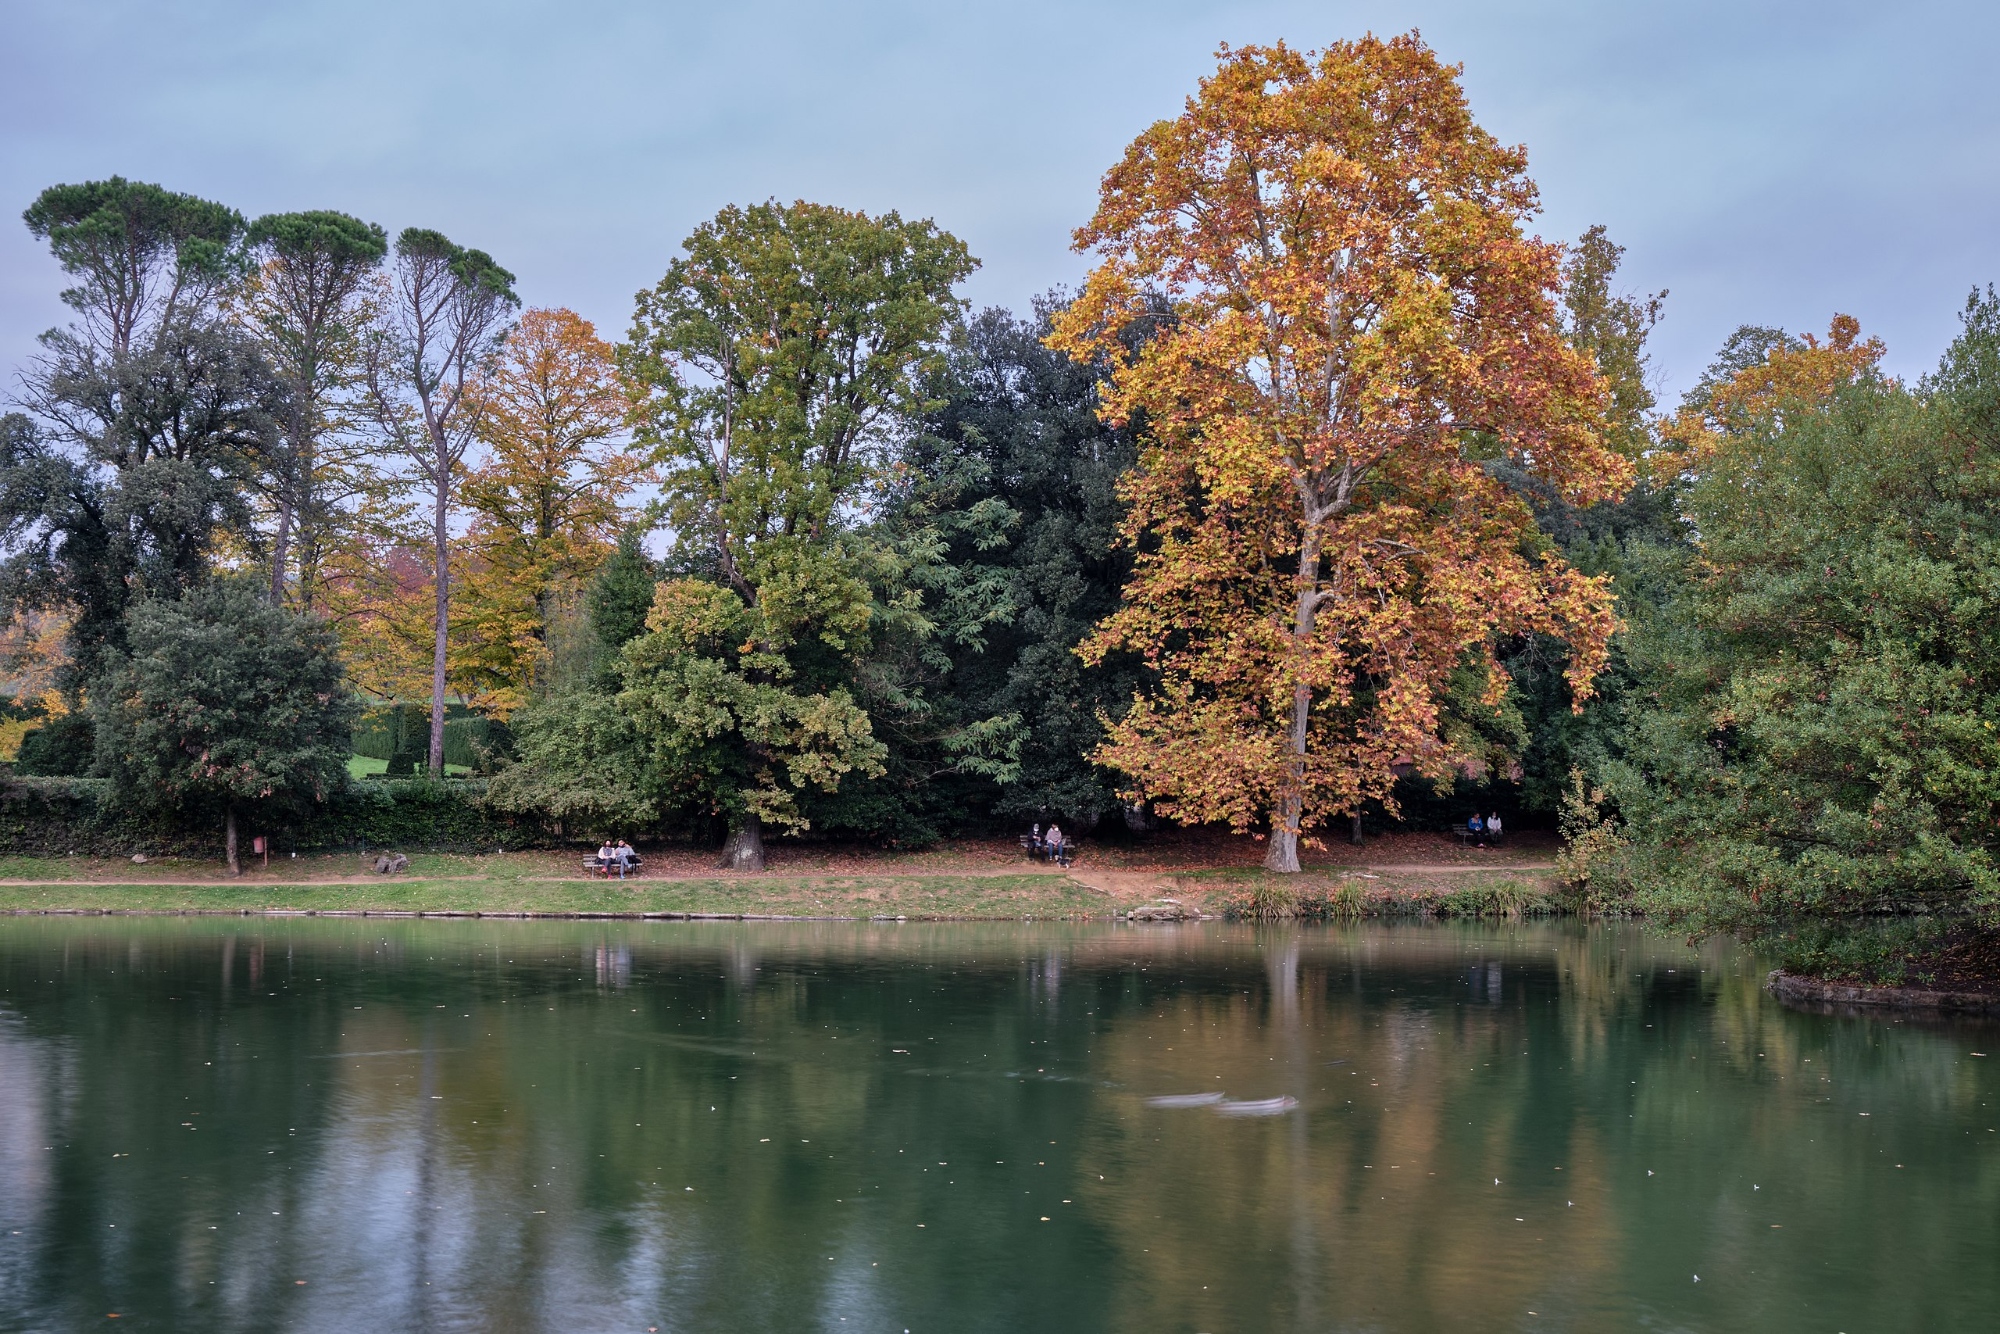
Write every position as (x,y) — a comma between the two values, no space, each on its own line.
(1359,326)
(550,493)
(1794,375)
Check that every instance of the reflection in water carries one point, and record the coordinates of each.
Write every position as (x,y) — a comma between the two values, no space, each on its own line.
(419,1125)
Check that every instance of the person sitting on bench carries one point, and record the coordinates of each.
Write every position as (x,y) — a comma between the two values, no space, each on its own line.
(1493,827)
(606,855)
(1475,826)
(1053,841)
(626,857)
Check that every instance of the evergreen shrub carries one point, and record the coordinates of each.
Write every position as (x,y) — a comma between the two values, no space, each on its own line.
(50,817)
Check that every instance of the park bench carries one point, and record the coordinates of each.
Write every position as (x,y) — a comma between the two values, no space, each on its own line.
(1064,855)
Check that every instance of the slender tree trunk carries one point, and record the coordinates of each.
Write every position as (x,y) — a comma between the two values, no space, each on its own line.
(745,849)
(281,547)
(229,840)
(443,573)
(1355,839)
(1288,815)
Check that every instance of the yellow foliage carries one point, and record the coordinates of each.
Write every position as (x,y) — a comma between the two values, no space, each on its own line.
(1757,397)
(1345,322)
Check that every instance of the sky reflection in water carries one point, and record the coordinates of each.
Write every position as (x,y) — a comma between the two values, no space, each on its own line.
(338,1125)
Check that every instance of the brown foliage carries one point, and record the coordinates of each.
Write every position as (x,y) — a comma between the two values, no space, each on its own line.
(1358,325)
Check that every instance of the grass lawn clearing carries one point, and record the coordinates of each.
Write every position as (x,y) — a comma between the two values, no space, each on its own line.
(971,879)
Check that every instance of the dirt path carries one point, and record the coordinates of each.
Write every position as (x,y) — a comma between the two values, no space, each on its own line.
(1138,884)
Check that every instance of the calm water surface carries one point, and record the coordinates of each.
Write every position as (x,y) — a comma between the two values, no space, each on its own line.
(367,1125)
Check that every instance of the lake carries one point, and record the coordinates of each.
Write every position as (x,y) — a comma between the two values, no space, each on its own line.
(316,1124)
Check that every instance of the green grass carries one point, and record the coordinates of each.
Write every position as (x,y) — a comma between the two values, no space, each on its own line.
(361,766)
(915,896)
(527,883)
(549,882)
(1253,892)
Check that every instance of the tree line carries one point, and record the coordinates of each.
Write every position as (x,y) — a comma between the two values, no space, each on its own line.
(1334,495)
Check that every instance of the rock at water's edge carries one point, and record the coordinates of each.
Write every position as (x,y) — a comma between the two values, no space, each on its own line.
(1792,988)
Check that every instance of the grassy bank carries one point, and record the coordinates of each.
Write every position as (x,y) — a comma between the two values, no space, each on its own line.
(888,886)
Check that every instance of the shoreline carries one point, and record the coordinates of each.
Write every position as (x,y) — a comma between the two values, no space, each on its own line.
(1798,990)
(558,915)
(965,883)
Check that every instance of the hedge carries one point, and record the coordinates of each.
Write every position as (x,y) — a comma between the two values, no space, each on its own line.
(406,728)
(54,816)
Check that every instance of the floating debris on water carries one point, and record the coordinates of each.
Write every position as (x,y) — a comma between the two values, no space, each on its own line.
(1186,1100)
(1263,1107)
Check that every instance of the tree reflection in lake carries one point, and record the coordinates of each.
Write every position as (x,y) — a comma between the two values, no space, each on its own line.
(292,1124)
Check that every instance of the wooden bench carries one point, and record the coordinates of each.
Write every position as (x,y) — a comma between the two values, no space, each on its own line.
(1064,855)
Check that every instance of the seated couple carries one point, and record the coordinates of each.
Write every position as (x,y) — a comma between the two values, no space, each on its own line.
(617,856)
(1048,844)
(1483,829)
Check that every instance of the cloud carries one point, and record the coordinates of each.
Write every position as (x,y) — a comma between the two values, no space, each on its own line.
(1767,162)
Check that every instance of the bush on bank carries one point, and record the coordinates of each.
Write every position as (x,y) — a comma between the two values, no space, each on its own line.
(56,816)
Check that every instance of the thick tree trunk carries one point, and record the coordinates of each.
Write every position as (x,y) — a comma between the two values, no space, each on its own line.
(1284,853)
(1356,838)
(745,849)
(229,841)
(442,572)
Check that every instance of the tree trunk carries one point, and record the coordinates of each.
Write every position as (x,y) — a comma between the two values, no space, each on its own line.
(745,849)
(1289,814)
(442,571)
(281,547)
(1356,838)
(1284,853)
(229,840)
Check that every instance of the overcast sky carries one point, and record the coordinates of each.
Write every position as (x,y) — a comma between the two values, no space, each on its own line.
(1768,162)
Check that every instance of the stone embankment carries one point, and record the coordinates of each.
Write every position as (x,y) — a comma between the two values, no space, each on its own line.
(1811,991)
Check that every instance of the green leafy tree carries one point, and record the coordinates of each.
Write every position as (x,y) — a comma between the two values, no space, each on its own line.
(143,257)
(60,747)
(1612,326)
(1823,748)
(622,594)
(782,359)
(445,318)
(581,764)
(1016,476)
(1639,540)
(306,300)
(153,417)
(221,705)
(722,719)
